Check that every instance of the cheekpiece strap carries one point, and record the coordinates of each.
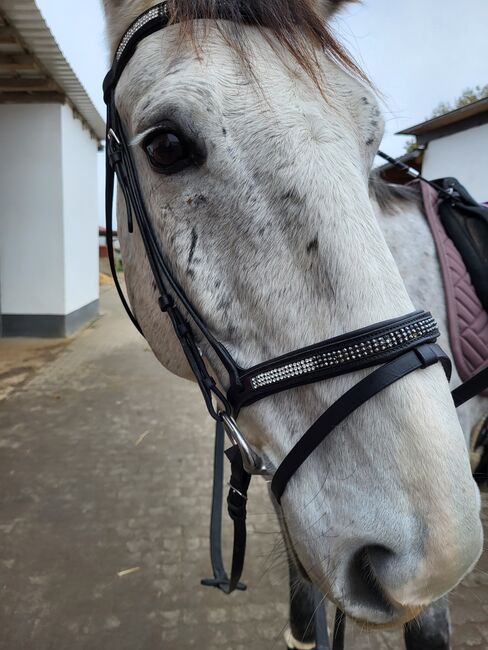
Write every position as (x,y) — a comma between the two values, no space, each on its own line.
(151,21)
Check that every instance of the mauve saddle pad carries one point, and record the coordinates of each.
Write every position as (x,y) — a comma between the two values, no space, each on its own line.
(467,320)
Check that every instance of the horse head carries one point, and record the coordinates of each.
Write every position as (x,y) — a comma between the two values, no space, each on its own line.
(253,142)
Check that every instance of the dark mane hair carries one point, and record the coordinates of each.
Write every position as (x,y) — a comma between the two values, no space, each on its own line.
(294,24)
(391,197)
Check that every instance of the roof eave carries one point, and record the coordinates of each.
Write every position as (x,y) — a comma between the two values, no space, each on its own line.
(457,116)
(28,21)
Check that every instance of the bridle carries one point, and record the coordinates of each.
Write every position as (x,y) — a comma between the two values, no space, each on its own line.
(395,348)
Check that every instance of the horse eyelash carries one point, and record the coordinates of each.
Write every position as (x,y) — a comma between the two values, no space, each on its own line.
(138,139)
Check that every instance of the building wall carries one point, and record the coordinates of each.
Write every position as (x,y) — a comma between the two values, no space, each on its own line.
(48,220)
(462,155)
(80,207)
(31,210)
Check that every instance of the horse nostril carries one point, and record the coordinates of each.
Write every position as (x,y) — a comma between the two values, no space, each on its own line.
(363,584)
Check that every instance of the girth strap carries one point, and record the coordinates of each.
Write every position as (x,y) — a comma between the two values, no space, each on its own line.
(421,357)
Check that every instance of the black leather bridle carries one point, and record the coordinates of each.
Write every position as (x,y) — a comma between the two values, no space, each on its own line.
(396,347)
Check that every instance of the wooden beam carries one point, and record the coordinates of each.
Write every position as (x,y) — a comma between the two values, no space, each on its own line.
(33,98)
(13,63)
(27,85)
(7,35)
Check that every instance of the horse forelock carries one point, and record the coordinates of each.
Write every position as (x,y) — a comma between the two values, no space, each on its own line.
(298,26)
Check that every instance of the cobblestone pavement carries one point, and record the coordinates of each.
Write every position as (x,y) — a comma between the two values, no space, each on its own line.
(105,470)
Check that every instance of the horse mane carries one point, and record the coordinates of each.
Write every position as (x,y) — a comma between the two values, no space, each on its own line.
(295,24)
(391,197)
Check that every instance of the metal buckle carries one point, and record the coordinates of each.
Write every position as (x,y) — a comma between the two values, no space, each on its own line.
(243,496)
(114,149)
(252,462)
(111,135)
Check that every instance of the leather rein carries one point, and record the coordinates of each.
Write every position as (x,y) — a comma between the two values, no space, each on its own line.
(395,348)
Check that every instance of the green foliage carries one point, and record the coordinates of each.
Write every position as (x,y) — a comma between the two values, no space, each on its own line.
(410,145)
(468,96)
(441,109)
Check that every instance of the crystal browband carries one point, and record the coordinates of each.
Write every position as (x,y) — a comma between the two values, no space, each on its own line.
(360,349)
(158,13)
(151,22)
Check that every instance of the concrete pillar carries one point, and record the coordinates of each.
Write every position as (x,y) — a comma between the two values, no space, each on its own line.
(48,221)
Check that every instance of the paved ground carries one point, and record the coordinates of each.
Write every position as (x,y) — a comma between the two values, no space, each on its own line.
(20,360)
(105,467)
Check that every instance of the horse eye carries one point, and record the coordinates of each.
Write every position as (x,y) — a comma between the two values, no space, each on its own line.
(167,152)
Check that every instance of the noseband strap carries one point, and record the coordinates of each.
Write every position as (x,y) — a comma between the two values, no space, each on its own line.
(420,357)
(363,348)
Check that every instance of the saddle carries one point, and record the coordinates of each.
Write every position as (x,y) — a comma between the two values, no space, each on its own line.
(460,230)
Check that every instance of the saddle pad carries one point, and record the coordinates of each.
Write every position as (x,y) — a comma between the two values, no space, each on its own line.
(466,223)
(467,320)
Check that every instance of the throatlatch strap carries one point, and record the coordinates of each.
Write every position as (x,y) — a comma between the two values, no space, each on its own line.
(320,619)
(421,357)
(339,630)
(109,236)
(220,578)
(237,507)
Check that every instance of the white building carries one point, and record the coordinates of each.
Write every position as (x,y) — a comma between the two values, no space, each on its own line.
(456,144)
(50,133)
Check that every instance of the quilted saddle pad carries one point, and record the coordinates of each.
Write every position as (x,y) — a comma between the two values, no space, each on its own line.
(467,320)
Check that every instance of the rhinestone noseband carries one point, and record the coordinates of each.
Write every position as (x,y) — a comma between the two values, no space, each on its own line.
(340,358)
(354,351)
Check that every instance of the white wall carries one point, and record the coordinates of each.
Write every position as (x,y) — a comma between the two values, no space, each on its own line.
(80,207)
(31,211)
(462,155)
(48,211)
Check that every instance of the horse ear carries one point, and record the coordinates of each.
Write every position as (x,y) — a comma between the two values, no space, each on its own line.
(327,8)
(113,7)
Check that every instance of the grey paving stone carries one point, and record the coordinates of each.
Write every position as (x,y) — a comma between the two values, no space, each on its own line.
(100,455)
